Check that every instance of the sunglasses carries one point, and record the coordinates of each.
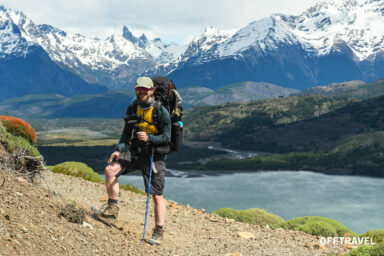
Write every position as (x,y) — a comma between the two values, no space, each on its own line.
(142,89)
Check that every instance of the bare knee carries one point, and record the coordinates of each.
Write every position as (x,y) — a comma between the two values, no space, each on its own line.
(158,198)
(112,169)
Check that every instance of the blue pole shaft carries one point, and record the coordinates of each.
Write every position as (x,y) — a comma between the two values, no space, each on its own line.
(148,193)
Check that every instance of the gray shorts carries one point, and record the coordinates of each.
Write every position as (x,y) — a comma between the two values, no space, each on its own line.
(143,163)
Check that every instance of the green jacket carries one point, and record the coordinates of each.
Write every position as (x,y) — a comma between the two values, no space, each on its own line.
(164,127)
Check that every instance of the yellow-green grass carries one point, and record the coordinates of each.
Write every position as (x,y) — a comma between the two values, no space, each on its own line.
(316,225)
(250,216)
(77,169)
(85,172)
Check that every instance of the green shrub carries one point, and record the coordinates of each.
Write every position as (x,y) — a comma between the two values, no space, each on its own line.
(377,235)
(368,250)
(77,169)
(19,127)
(250,216)
(316,225)
(82,170)
(132,188)
(16,143)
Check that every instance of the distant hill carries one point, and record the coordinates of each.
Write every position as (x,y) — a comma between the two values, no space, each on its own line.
(238,92)
(326,134)
(233,122)
(111,104)
(352,89)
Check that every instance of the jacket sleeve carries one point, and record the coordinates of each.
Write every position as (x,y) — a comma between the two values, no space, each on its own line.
(164,135)
(126,135)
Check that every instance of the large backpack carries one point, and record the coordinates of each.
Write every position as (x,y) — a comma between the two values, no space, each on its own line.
(166,94)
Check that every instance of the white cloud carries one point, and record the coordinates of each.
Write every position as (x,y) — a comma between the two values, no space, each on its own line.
(171,20)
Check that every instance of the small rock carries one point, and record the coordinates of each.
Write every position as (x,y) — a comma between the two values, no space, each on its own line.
(19,236)
(88,218)
(202,210)
(2,211)
(18,193)
(319,247)
(104,199)
(245,235)
(21,179)
(229,220)
(24,229)
(87,225)
(234,254)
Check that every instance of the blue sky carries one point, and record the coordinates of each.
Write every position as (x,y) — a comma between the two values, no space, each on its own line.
(171,20)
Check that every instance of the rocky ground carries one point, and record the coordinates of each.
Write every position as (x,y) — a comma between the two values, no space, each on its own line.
(30,225)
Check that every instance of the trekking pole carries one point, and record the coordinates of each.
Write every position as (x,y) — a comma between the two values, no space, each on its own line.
(148,192)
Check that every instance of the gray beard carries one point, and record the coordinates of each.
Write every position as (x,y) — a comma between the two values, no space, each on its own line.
(146,105)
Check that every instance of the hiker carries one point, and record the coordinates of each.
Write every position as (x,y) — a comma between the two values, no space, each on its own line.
(143,136)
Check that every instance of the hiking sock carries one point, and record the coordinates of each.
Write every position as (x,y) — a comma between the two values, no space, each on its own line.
(113,201)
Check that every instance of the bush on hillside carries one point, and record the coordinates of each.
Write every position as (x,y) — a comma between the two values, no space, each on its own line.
(77,169)
(377,235)
(368,250)
(316,225)
(250,216)
(15,144)
(19,127)
(82,170)
(22,157)
(132,188)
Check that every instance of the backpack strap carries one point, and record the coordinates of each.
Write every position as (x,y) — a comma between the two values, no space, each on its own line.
(155,113)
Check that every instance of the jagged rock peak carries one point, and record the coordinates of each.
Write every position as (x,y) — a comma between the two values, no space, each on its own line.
(128,35)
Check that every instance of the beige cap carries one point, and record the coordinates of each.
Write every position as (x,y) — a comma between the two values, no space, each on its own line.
(144,81)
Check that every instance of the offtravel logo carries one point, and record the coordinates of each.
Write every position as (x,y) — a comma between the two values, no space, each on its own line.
(346,240)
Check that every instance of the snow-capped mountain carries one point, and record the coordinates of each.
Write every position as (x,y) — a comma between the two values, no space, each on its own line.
(162,52)
(197,48)
(114,61)
(25,68)
(110,62)
(334,41)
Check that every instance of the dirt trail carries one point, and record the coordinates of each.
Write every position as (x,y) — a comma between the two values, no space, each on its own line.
(29,225)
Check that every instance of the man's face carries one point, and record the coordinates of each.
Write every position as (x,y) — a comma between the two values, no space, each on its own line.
(144,94)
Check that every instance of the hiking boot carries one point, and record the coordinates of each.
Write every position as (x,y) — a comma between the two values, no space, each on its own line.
(157,236)
(107,213)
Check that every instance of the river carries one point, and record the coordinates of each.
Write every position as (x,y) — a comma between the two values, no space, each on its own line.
(356,202)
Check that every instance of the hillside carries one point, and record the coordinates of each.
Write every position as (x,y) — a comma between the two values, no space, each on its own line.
(30,225)
(49,215)
(325,134)
(212,122)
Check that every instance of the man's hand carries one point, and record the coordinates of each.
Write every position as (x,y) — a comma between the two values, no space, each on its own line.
(142,136)
(114,157)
